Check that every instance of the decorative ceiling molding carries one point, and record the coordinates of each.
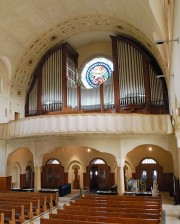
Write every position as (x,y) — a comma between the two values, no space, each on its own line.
(66,30)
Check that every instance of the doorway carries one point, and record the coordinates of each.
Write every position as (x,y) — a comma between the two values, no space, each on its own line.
(99,175)
(148,171)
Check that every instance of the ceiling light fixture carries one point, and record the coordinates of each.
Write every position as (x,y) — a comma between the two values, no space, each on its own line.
(158,42)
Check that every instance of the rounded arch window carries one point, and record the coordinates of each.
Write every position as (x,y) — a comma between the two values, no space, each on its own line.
(98,161)
(148,161)
(96,72)
(53,161)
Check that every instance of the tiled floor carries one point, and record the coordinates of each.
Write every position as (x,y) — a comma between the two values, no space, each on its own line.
(172,212)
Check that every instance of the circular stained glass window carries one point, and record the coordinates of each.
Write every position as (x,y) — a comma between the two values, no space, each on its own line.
(96,72)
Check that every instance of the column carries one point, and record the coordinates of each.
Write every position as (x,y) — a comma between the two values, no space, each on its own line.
(37,178)
(120,176)
(175,160)
(3,159)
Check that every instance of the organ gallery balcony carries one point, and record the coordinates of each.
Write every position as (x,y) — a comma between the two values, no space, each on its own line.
(83,123)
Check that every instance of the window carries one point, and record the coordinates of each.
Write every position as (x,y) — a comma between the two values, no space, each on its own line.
(148,161)
(154,174)
(53,161)
(96,72)
(98,161)
(144,175)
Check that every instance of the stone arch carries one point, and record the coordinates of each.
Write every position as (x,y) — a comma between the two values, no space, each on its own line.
(78,156)
(164,164)
(158,153)
(22,156)
(5,73)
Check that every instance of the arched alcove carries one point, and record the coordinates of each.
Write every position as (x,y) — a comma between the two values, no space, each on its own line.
(20,162)
(16,176)
(163,165)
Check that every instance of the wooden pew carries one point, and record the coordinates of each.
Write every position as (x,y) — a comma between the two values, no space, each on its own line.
(25,204)
(119,197)
(122,221)
(19,211)
(32,206)
(57,221)
(1,218)
(129,202)
(102,217)
(38,202)
(120,205)
(108,214)
(117,208)
(46,199)
(9,215)
(111,209)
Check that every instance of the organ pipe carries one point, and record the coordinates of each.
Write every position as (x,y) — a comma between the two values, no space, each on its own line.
(33,100)
(131,82)
(156,88)
(51,82)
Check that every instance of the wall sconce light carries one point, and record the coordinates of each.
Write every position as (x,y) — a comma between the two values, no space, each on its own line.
(158,42)
(150,148)
(162,76)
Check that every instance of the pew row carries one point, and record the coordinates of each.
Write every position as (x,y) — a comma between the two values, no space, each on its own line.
(25,205)
(7,216)
(120,197)
(120,213)
(1,218)
(102,217)
(122,221)
(111,209)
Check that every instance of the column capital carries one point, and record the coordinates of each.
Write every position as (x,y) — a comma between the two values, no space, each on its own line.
(120,162)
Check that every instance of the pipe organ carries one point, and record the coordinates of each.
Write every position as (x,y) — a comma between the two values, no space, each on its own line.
(136,71)
(109,94)
(156,88)
(134,85)
(33,100)
(51,97)
(131,80)
(90,100)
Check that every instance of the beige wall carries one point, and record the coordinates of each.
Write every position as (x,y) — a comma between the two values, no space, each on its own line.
(79,156)
(163,157)
(72,150)
(86,52)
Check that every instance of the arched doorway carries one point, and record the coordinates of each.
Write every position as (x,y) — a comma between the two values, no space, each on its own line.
(52,174)
(99,177)
(150,161)
(147,171)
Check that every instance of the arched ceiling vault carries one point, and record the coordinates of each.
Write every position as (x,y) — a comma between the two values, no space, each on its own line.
(29,28)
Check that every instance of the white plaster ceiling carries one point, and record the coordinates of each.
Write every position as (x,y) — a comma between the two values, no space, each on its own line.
(28,28)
